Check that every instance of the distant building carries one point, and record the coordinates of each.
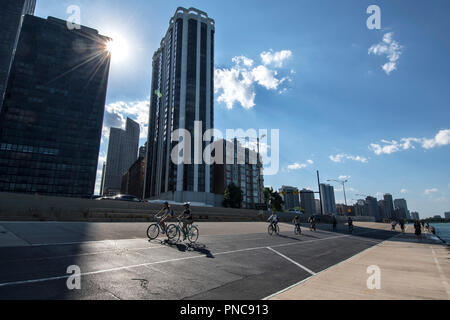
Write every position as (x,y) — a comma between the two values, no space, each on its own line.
(143,151)
(415,216)
(318,206)
(122,153)
(388,206)
(360,208)
(290,197)
(372,209)
(328,198)
(244,173)
(447,215)
(381,209)
(52,115)
(343,210)
(308,201)
(12,13)
(133,179)
(402,206)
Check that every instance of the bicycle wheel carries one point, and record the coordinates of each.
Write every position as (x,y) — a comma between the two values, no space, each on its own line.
(298,231)
(277,230)
(173,232)
(270,230)
(153,231)
(193,234)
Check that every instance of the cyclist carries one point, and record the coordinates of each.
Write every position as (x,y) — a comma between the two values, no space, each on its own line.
(296,222)
(334,223)
(187,218)
(312,222)
(273,219)
(163,215)
(350,224)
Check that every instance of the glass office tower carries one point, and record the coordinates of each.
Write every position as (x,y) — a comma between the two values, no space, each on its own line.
(52,115)
(12,13)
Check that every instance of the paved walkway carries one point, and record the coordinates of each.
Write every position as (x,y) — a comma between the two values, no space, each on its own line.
(410,270)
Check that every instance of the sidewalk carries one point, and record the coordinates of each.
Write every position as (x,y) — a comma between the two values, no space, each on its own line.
(409,271)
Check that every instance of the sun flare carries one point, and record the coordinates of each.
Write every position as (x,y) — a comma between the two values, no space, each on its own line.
(118,48)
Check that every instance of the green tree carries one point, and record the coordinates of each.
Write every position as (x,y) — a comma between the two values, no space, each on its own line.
(273,199)
(233,197)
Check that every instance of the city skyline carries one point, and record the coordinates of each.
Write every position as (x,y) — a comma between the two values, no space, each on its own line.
(410,161)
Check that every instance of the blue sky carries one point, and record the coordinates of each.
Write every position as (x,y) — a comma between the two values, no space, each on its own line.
(316,74)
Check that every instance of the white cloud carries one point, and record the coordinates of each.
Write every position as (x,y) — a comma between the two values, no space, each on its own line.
(390,147)
(404,191)
(243,60)
(391,49)
(344,177)
(277,59)
(339,158)
(238,83)
(299,166)
(117,112)
(429,192)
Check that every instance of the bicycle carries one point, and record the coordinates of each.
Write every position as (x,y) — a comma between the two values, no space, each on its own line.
(155,229)
(298,230)
(273,228)
(174,232)
(350,229)
(313,227)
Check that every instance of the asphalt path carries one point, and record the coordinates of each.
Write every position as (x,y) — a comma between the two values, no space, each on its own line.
(117,262)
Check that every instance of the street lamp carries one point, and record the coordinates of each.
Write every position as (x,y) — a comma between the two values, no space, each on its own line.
(343,182)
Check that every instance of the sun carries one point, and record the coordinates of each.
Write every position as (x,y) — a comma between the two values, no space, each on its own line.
(118,48)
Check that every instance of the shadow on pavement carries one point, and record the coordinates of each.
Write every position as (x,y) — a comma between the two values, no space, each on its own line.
(191,247)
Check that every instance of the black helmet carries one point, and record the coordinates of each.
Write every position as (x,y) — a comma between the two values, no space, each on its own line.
(187,204)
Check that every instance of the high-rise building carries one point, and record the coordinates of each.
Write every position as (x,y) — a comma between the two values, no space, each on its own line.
(133,179)
(415,216)
(328,199)
(308,203)
(388,206)
(122,153)
(402,207)
(52,115)
(372,209)
(290,197)
(12,13)
(182,95)
(244,173)
(447,215)
(143,151)
(318,206)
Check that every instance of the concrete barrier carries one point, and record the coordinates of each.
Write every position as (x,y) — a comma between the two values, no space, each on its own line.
(24,207)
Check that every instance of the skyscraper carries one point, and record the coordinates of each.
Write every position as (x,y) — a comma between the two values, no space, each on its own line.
(52,115)
(402,206)
(182,93)
(328,199)
(415,216)
(388,206)
(372,208)
(12,13)
(122,153)
(290,197)
(308,202)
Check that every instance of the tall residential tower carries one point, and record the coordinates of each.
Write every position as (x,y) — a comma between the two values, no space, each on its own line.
(182,93)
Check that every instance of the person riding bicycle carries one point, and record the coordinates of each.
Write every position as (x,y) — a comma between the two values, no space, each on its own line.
(163,215)
(312,222)
(296,222)
(273,219)
(187,218)
(350,223)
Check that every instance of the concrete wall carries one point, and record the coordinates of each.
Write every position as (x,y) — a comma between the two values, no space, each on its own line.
(23,207)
